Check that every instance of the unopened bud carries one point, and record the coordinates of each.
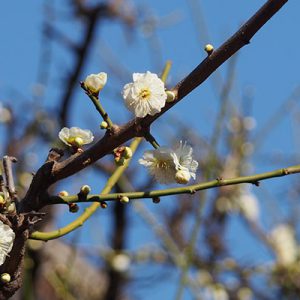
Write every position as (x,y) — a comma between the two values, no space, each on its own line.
(85,189)
(73,207)
(5,278)
(124,199)
(182,176)
(103,125)
(209,48)
(11,209)
(120,161)
(63,194)
(155,200)
(2,200)
(170,96)
(103,204)
(127,153)
(78,142)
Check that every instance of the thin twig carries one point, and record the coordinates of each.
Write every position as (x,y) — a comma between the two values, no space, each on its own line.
(191,189)
(8,175)
(98,106)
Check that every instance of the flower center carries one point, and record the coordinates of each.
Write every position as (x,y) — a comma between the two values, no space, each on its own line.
(145,94)
(162,164)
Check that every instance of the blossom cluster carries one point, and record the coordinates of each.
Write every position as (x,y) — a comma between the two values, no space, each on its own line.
(146,95)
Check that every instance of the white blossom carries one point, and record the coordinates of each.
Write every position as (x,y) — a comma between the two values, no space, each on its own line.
(186,166)
(7,237)
(160,164)
(168,165)
(75,136)
(95,82)
(145,95)
(283,239)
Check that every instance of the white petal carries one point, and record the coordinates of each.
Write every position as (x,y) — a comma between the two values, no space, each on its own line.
(7,237)
(64,135)
(142,106)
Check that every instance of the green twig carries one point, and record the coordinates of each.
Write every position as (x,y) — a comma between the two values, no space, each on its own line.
(45,236)
(191,189)
(166,71)
(98,106)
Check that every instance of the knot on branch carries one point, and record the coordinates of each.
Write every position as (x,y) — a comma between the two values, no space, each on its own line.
(55,154)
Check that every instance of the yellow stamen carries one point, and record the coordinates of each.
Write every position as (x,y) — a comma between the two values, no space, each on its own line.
(145,94)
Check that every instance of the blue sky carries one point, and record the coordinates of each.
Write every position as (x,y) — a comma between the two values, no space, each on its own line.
(269,67)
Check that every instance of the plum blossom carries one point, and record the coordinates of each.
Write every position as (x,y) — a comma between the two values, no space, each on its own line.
(171,165)
(76,136)
(160,164)
(145,95)
(186,166)
(7,237)
(95,82)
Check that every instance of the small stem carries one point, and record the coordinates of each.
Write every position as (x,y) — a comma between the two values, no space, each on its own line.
(151,139)
(8,175)
(98,107)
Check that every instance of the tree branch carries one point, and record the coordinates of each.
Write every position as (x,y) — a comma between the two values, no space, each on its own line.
(138,127)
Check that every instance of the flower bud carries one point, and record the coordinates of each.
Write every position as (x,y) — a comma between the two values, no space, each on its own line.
(209,48)
(103,204)
(103,125)
(85,189)
(73,208)
(63,194)
(170,96)
(120,161)
(78,142)
(2,200)
(5,278)
(156,200)
(182,176)
(95,82)
(11,209)
(124,199)
(127,153)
